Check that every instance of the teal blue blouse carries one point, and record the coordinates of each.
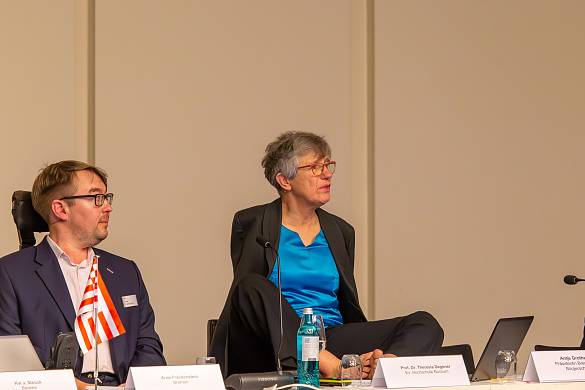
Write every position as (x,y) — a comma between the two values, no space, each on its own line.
(309,276)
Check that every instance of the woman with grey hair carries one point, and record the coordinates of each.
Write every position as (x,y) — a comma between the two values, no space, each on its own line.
(317,259)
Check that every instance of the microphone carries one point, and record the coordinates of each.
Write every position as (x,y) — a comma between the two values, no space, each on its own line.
(267,379)
(572,279)
(263,241)
(258,381)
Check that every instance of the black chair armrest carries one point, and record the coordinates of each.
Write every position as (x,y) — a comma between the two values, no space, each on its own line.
(211,324)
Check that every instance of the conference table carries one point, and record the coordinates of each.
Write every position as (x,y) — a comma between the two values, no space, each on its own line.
(518,385)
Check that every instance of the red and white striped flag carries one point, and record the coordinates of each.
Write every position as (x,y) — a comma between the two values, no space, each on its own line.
(109,326)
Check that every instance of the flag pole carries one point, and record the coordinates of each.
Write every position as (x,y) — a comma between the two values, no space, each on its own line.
(95,321)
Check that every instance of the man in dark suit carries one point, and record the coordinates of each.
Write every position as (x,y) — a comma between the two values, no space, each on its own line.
(41,287)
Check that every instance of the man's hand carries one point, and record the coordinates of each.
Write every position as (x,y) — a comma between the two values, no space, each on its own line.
(328,364)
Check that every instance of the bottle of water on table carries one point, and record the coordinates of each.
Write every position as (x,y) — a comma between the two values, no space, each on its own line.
(308,350)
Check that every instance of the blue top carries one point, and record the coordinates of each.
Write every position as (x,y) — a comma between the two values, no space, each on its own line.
(309,276)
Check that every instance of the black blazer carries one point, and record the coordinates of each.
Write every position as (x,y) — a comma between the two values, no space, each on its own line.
(34,300)
(250,258)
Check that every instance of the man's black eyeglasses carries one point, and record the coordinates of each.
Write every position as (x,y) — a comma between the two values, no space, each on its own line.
(99,198)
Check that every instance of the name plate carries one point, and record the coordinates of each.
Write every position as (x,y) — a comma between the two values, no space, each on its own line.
(198,377)
(420,371)
(555,366)
(38,380)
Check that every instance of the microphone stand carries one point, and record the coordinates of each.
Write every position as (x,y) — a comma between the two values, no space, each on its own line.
(278,364)
(260,381)
(95,322)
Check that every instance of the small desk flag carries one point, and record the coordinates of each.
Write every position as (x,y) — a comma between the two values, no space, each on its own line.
(109,324)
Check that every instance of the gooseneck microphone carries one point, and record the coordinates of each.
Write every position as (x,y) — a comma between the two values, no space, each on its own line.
(572,279)
(267,379)
(263,242)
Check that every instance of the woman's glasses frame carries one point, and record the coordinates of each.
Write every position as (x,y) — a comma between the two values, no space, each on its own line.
(318,168)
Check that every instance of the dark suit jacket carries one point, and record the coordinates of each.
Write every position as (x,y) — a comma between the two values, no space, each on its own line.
(250,258)
(35,301)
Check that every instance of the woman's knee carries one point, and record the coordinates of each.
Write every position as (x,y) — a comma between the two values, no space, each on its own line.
(252,286)
(425,319)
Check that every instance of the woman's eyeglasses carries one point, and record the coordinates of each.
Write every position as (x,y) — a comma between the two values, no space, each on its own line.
(318,168)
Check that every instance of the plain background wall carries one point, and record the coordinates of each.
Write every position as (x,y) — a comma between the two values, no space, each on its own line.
(37,80)
(188,94)
(479,157)
(478,179)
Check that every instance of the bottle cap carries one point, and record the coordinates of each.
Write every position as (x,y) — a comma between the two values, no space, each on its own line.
(308,310)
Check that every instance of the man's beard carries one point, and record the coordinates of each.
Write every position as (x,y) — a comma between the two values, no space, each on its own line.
(88,238)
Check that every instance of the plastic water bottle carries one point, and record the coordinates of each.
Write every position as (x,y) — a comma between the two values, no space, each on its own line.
(308,350)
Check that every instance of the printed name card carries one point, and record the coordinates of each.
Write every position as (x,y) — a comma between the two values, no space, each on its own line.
(38,380)
(555,366)
(198,377)
(420,371)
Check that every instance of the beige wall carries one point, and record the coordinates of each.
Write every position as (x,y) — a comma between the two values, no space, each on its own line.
(479,157)
(37,81)
(188,94)
(474,121)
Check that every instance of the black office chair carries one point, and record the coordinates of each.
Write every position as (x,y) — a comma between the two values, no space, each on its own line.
(211,324)
(465,351)
(550,348)
(27,220)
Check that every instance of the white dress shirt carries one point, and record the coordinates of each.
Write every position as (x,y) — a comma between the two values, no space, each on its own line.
(76,276)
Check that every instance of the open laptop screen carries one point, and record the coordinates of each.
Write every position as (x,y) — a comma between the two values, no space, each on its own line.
(18,354)
(508,334)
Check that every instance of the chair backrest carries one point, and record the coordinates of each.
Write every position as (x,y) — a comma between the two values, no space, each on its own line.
(551,348)
(465,351)
(27,220)
(211,324)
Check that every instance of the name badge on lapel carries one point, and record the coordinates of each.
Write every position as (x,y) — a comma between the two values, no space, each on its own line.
(129,301)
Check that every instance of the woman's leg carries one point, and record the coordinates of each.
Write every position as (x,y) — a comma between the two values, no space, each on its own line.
(254,327)
(416,334)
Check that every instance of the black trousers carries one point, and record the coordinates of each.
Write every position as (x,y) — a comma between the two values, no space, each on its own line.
(254,331)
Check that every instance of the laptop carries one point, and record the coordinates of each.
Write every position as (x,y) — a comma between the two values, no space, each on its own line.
(18,354)
(508,334)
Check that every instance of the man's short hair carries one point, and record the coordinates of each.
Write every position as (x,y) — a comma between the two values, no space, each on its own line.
(57,181)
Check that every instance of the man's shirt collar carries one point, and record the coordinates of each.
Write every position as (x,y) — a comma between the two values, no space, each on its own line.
(62,255)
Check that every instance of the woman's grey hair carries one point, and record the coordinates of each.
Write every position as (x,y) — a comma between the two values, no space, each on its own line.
(282,155)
